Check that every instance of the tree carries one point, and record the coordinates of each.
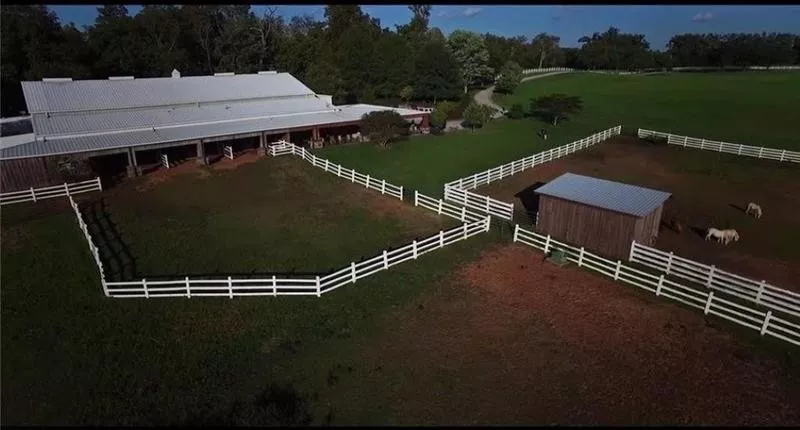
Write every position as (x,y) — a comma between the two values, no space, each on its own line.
(516,111)
(471,56)
(477,115)
(406,93)
(382,127)
(510,78)
(544,45)
(436,74)
(441,112)
(557,106)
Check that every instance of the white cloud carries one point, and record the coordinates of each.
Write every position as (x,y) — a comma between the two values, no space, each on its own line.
(471,11)
(703,16)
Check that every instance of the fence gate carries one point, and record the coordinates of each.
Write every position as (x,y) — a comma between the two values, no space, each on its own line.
(165,161)
(228,151)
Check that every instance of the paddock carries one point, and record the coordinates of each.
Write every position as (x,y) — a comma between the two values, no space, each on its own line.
(709,190)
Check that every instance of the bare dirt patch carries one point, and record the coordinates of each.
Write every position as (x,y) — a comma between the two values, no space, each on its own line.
(524,342)
(245,157)
(709,190)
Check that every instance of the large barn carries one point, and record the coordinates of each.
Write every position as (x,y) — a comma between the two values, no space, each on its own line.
(122,123)
(602,216)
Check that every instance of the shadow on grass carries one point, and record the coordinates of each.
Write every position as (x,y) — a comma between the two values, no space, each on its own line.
(737,207)
(278,405)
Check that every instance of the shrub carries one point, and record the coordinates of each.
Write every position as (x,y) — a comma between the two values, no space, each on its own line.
(516,111)
(382,127)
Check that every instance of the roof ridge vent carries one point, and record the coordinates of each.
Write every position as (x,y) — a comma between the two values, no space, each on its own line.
(224,74)
(175,73)
(121,78)
(57,80)
(268,72)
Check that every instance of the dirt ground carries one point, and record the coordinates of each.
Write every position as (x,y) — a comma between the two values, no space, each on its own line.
(708,190)
(520,341)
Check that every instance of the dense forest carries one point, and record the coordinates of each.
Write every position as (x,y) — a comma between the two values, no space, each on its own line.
(347,54)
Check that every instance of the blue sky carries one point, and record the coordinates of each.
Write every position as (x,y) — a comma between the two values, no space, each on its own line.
(657,23)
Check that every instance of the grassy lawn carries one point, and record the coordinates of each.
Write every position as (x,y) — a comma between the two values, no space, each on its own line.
(72,356)
(757,109)
(749,108)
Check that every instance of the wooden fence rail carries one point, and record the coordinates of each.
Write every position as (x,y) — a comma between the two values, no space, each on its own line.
(285,148)
(759,292)
(728,148)
(36,194)
(764,322)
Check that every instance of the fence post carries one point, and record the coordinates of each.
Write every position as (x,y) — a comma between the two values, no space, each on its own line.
(274,286)
(385,259)
(464,227)
(416,198)
(339,171)
(702,143)
(708,303)
(352,175)
(188,289)
(710,277)
(616,272)
(760,151)
(319,288)
(33,194)
(660,284)
(783,154)
(580,258)
(488,209)
(383,186)
(66,188)
(327,164)
(367,181)
(669,262)
(353,271)
(547,245)
(414,247)
(440,206)
(760,291)
(685,139)
(103,282)
(488,222)
(401,192)
(633,248)
(766,322)
(144,285)
(230,287)
(441,238)
(740,150)
(463,213)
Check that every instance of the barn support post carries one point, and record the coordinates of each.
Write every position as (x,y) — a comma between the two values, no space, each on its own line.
(133,165)
(201,153)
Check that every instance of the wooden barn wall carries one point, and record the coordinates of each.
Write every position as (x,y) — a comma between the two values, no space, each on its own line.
(647,227)
(604,232)
(28,172)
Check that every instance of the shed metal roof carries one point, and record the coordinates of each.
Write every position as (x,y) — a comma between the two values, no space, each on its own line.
(601,193)
(102,94)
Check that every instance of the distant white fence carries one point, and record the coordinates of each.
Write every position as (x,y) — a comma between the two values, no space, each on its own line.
(457,191)
(729,148)
(763,322)
(283,148)
(36,194)
(301,285)
(546,70)
(759,292)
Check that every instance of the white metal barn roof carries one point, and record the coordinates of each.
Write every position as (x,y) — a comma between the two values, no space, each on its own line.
(95,115)
(615,196)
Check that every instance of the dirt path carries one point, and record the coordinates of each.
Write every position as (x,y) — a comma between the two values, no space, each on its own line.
(484,97)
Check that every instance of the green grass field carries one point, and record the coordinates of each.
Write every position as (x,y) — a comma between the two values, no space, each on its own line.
(72,356)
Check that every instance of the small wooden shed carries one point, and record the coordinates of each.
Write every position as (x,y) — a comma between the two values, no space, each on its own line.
(602,216)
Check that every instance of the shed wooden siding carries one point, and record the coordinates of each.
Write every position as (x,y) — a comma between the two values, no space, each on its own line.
(647,227)
(25,173)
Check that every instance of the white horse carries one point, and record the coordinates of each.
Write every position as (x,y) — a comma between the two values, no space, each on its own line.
(731,234)
(716,234)
(755,209)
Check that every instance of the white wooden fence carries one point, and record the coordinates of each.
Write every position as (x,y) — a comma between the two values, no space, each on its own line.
(36,194)
(759,292)
(283,148)
(228,150)
(92,247)
(730,148)
(546,70)
(164,161)
(301,285)
(457,191)
(764,322)
(441,207)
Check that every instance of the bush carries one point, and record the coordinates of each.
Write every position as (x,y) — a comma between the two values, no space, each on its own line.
(476,115)
(510,77)
(384,126)
(516,111)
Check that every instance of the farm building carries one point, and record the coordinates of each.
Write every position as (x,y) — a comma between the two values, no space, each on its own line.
(602,216)
(122,124)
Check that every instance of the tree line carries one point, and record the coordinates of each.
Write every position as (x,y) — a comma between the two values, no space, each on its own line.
(347,54)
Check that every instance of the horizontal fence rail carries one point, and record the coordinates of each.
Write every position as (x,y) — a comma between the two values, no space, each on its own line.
(302,285)
(764,322)
(441,207)
(728,148)
(36,194)
(285,148)
(759,292)
(458,191)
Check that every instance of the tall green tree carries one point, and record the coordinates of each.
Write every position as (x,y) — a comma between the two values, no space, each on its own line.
(546,47)
(436,73)
(510,78)
(471,56)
